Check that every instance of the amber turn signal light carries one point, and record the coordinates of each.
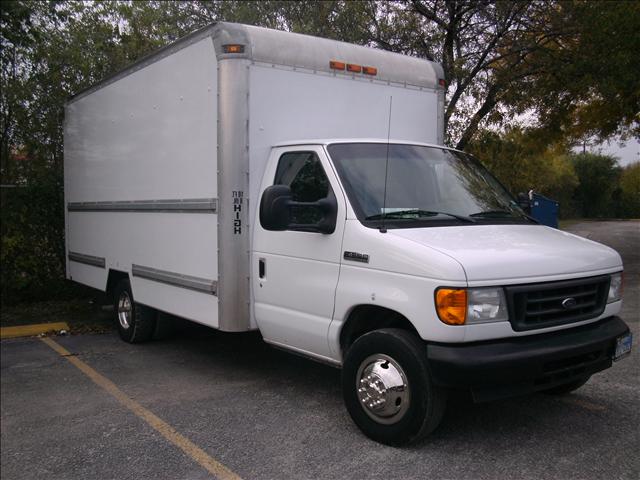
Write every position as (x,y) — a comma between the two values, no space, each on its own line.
(451,305)
(233,48)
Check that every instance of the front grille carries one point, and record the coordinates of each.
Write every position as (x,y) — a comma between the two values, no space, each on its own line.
(541,305)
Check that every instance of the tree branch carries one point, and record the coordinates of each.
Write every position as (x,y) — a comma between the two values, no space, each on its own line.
(490,101)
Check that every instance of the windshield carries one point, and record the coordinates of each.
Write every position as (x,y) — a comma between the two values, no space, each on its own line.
(425,186)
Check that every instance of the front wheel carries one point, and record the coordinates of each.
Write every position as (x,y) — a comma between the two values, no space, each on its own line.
(388,390)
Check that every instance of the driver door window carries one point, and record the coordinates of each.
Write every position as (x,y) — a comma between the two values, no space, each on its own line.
(303,173)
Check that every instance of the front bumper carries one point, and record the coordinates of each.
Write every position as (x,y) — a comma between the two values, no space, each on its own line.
(519,365)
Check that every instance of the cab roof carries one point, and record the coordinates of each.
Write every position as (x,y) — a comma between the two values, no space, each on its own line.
(329,141)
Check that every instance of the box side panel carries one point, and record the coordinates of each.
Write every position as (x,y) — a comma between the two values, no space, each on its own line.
(288,105)
(150,135)
(141,183)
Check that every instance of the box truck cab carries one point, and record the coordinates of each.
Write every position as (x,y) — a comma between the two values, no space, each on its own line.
(191,190)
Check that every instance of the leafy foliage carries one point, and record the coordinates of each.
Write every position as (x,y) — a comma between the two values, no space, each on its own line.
(592,85)
(598,177)
(630,191)
(522,162)
(568,66)
(32,242)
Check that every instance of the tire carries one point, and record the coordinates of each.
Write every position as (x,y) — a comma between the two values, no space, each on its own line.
(136,323)
(567,387)
(404,415)
(166,326)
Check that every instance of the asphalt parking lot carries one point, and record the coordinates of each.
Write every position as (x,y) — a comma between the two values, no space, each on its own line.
(260,413)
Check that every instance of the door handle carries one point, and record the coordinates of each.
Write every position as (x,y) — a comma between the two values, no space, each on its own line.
(262,268)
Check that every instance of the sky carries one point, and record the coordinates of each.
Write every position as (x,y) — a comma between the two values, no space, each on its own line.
(627,152)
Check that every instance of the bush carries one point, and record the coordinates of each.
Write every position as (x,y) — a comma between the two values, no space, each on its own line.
(597,190)
(32,242)
(630,191)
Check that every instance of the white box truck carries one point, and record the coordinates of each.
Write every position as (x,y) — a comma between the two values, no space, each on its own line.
(252,179)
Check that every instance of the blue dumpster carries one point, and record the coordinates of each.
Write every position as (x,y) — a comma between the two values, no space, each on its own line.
(544,210)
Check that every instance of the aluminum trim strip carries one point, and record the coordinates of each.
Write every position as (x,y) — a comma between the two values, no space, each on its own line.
(198,284)
(87,259)
(194,205)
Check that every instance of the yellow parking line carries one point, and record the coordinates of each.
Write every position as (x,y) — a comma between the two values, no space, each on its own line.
(31,330)
(167,431)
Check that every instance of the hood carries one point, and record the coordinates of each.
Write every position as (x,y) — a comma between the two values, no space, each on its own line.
(506,252)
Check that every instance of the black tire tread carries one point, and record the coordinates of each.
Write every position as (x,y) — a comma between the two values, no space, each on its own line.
(143,318)
(166,326)
(435,397)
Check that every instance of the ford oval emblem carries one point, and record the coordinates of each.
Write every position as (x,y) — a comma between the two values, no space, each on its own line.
(569,302)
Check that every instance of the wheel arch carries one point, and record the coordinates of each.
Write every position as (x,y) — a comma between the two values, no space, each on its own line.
(365,318)
(114,277)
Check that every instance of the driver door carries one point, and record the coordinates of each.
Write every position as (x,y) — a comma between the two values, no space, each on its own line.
(295,273)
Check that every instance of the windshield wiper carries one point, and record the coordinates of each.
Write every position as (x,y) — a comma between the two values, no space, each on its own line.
(502,214)
(400,214)
(492,213)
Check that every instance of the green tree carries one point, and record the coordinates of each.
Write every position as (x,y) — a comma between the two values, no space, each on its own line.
(630,191)
(592,86)
(570,65)
(522,162)
(598,181)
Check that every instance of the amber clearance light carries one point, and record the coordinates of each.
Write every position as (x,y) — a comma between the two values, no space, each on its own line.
(233,48)
(451,305)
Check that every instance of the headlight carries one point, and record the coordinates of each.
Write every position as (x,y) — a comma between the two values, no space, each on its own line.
(615,288)
(473,305)
(486,305)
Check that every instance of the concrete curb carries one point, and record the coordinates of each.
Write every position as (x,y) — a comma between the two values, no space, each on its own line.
(32,330)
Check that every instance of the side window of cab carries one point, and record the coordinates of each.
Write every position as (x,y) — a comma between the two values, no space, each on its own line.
(304,174)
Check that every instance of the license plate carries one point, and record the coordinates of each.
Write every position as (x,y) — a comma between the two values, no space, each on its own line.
(623,346)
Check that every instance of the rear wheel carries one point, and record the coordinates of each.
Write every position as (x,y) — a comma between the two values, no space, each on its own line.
(388,390)
(166,326)
(135,322)
(567,387)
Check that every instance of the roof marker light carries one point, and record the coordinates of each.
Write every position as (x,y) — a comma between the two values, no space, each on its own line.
(370,70)
(354,68)
(337,65)
(233,48)
(442,82)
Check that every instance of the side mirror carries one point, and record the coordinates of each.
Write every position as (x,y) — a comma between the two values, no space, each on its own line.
(275,211)
(328,206)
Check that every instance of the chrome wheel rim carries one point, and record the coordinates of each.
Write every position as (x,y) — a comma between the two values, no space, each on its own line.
(124,310)
(383,389)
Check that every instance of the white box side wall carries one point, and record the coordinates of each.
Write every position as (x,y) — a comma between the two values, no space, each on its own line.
(151,135)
